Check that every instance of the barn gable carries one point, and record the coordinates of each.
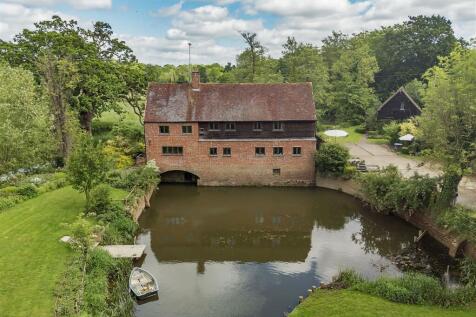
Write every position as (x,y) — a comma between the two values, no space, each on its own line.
(399,106)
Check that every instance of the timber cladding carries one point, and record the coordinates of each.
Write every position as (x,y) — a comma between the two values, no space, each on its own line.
(242,167)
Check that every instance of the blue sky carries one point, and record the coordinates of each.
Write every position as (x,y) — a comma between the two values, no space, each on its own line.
(159,30)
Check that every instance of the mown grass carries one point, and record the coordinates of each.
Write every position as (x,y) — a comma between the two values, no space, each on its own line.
(348,303)
(32,258)
(352,137)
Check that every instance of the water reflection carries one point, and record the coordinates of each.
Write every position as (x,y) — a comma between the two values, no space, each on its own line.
(253,251)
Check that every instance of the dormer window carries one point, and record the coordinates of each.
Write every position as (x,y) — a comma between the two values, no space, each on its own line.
(277,126)
(402,106)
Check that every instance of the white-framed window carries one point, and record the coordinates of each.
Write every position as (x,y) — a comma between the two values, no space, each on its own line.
(230,126)
(164,129)
(260,151)
(278,151)
(278,126)
(258,126)
(186,129)
(213,126)
(227,151)
(296,150)
(213,151)
(402,106)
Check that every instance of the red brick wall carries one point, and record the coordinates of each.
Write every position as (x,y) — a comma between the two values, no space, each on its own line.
(243,167)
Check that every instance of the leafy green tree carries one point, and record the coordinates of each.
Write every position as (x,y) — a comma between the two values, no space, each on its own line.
(87,166)
(405,51)
(26,138)
(351,96)
(448,121)
(136,81)
(333,46)
(252,54)
(304,63)
(92,53)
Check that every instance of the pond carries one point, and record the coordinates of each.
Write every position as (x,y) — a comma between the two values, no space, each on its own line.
(222,251)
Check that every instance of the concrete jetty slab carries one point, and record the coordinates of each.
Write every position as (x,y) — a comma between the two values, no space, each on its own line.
(125,251)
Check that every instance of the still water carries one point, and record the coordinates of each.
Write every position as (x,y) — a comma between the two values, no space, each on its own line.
(252,251)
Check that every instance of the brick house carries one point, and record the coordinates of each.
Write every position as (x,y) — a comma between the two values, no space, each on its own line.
(232,134)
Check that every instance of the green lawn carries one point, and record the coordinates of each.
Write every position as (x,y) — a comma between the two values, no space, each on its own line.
(32,258)
(352,137)
(347,303)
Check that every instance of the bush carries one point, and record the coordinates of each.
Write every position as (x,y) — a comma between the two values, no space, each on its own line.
(101,200)
(360,130)
(331,159)
(10,201)
(388,191)
(99,126)
(391,131)
(129,130)
(459,220)
(468,272)
(346,279)
(416,288)
(28,191)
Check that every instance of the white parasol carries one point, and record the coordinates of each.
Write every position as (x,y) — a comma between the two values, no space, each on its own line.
(336,133)
(406,137)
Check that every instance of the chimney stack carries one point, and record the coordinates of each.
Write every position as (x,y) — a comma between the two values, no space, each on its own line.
(196,80)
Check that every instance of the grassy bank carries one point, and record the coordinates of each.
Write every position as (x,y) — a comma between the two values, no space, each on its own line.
(32,258)
(350,303)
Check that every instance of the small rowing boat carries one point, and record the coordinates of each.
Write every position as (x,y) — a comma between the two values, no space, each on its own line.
(142,283)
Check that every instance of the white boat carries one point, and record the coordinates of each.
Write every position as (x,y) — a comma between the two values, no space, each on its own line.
(142,283)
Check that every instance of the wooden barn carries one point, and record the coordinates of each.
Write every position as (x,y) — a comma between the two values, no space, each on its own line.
(399,106)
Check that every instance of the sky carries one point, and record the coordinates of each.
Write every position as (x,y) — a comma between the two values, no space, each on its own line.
(158,30)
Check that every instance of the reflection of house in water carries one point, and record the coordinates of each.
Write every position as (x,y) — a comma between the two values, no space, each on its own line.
(251,225)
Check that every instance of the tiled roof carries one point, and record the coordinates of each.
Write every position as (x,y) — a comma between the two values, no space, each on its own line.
(229,102)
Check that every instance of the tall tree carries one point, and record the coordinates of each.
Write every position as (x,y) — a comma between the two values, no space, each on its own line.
(253,53)
(351,97)
(94,54)
(26,138)
(304,63)
(448,121)
(87,165)
(405,51)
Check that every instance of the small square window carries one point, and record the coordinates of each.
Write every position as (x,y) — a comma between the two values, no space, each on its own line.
(276,171)
(260,151)
(277,126)
(278,151)
(230,126)
(213,151)
(227,151)
(186,129)
(258,126)
(296,150)
(164,129)
(213,126)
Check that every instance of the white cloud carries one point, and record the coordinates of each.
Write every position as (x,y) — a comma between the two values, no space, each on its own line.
(169,11)
(157,50)
(78,4)
(209,22)
(14,17)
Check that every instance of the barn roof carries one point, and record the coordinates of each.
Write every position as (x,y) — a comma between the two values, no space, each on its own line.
(230,102)
(400,90)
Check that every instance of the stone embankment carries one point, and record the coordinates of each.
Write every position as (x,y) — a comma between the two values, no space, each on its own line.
(424,222)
